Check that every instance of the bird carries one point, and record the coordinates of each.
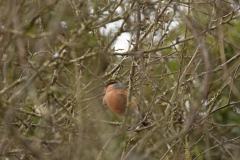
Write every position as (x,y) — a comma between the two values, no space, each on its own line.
(116,99)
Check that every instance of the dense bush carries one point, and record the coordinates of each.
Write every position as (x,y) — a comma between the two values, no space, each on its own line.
(182,67)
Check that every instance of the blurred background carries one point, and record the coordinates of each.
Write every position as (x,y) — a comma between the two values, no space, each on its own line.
(180,59)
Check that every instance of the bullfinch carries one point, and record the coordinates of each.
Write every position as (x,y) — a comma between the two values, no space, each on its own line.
(116,99)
